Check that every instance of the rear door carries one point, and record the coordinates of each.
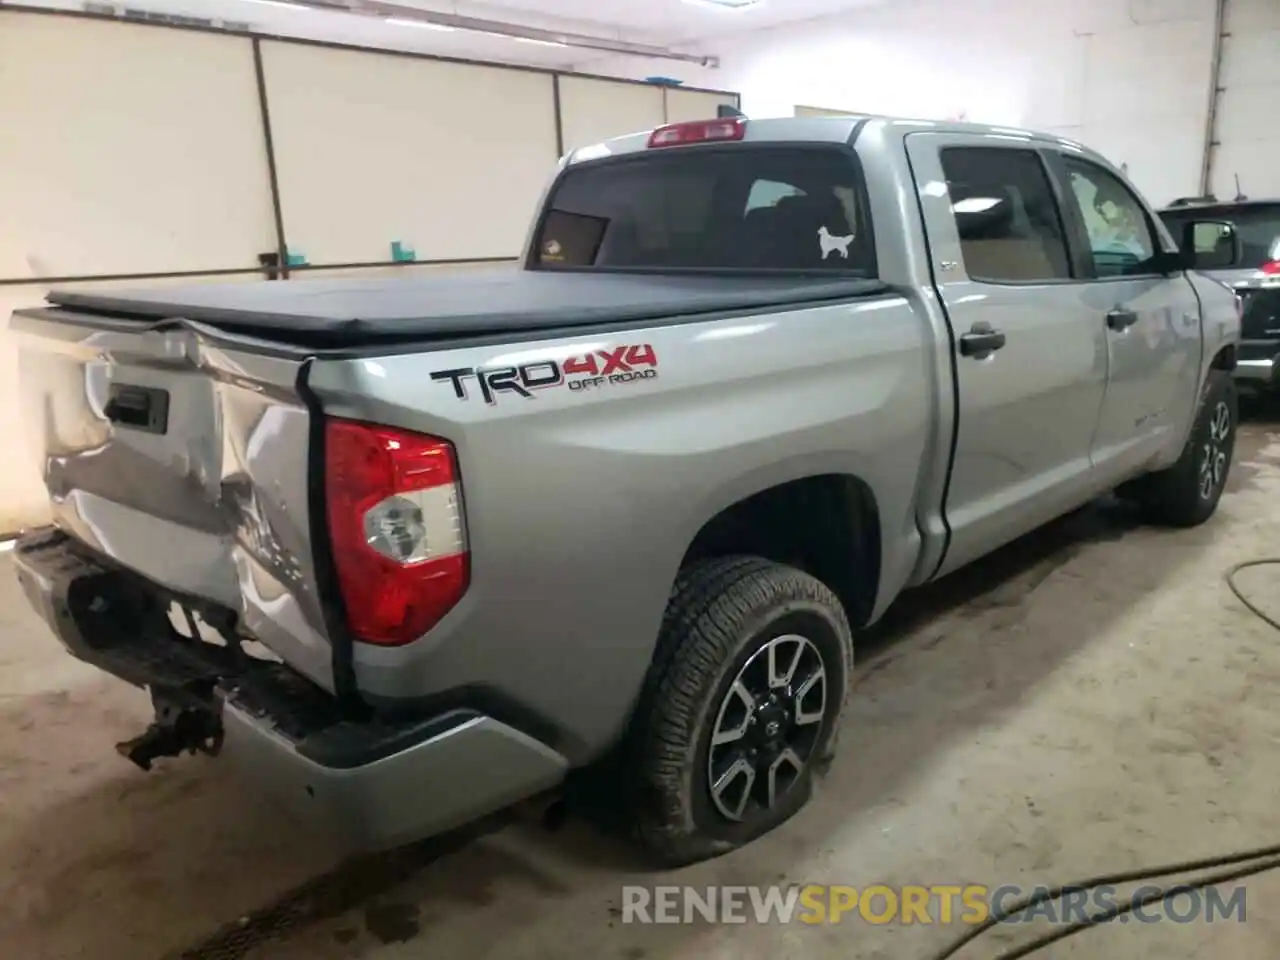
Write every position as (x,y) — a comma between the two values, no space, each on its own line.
(1030,361)
(1151,321)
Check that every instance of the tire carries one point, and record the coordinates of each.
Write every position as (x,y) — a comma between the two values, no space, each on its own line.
(1187,493)
(723,617)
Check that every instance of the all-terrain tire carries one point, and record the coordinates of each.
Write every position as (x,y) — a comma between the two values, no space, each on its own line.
(721,612)
(1184,495)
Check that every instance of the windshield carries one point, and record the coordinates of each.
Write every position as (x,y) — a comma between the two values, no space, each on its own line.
(759,208)
(1257,224)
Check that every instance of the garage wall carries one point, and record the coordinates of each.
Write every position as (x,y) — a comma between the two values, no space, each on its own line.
(136,154)
(98,159)
(1128,77)
(1247,140)
(372,149)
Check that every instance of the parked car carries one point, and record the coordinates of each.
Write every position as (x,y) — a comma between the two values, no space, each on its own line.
(458,536)
(1242,252)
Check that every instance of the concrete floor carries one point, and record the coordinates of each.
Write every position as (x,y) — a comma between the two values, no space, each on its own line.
(1090,700)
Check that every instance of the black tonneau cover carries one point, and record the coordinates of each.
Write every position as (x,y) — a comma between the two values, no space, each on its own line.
(351,313)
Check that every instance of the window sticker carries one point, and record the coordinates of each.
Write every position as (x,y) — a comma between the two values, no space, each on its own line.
(571,239)
(830,244)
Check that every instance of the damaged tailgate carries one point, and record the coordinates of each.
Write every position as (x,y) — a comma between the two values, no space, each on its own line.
(182,456)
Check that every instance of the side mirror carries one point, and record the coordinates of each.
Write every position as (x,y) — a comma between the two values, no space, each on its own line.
(1210,245)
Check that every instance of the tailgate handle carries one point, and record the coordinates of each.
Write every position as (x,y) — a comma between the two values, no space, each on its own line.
(139,408)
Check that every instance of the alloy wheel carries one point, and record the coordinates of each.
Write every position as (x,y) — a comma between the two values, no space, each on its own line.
(1213,460)
(767,726)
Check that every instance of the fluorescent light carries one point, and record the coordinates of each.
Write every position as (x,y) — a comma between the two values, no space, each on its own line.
(507,36)
(725,4)
(279,3)
(420,24)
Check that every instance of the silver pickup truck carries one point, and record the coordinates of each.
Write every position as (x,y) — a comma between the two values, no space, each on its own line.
(410,551)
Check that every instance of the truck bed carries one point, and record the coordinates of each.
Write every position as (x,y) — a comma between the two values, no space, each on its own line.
(336,314)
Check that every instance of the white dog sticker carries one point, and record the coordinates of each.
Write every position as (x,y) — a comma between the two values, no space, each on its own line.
(832,244)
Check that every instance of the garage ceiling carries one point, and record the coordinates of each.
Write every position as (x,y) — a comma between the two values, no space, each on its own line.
(662,21)
(694,26)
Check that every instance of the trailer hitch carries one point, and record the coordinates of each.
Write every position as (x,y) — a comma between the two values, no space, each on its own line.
(176,730)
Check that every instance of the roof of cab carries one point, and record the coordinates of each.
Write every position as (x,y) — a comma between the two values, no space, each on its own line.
(836,129)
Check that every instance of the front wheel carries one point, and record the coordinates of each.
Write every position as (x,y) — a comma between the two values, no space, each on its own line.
(742,706)
(1187,493)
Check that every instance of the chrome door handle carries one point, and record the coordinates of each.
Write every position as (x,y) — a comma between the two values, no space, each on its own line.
(981,341)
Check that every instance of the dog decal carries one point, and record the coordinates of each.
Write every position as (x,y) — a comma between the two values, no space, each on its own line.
(832,244)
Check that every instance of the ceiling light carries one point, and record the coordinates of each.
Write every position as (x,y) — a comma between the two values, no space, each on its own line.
(542,43)
(279,3)
(726,4)
(420,24)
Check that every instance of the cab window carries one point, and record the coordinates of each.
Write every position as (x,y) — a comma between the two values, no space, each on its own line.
(745,207)
(1006,217)
(1121,240)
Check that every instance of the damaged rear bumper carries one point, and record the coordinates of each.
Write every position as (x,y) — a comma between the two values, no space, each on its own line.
(372,783)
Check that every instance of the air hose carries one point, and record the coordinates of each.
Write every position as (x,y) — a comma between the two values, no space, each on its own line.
(1246,863)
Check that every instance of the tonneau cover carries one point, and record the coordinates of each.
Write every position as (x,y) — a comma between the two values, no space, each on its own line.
(349,313)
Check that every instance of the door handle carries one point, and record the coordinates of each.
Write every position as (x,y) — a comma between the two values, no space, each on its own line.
(1120,319)
(981,341)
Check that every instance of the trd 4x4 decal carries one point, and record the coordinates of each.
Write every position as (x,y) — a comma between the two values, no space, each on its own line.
(628,363)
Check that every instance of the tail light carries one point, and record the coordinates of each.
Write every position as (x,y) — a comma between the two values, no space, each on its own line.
(699,131)
(1271,268)
(396,527)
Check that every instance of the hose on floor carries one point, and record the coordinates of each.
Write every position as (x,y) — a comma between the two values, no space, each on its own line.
(1234,588)
(1245,863)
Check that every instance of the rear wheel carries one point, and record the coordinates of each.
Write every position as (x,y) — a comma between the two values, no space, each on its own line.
(1187,493)
(742,706)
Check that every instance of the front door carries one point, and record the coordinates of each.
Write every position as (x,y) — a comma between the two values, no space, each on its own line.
(1030,362)
(1151,321)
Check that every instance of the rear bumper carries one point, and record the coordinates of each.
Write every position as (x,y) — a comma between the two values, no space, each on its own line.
(1264,372)
(471,767)
(369,783)
(1258,363)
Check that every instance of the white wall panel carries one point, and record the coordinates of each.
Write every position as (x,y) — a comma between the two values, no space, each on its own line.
(695,104)
(127,149)
(594,110)
(1248,139)
(1128,77)
(373,148)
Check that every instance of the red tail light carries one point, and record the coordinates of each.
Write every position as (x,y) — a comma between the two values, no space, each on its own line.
(699,131)
(1271,268)
(396,527)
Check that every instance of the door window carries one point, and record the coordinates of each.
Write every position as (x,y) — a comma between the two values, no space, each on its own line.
(1120,235)
(1008,222)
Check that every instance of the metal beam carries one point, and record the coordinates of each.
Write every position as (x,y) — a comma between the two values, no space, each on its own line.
(1215,96)
(387,10)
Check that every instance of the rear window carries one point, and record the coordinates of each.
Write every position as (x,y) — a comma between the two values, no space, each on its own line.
(733,208)
(1258,226)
